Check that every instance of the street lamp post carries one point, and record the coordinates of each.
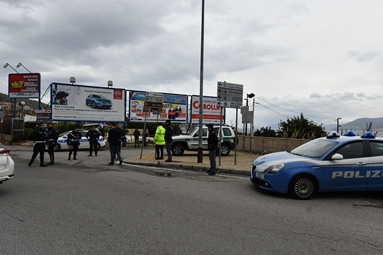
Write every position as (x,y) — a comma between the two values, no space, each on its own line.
(6,65)
(22,104)
(110,84)
(251,95)
(72,80)
(19,64)
(337,125)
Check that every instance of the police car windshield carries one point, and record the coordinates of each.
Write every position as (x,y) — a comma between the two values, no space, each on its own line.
(315,148)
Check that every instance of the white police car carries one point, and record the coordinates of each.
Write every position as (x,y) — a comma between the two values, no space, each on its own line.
(84,143)
(332,163)
(7,165)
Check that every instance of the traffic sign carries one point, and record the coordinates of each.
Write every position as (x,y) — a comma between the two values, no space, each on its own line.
(247,117)
(154,97)
(229,95)
(153,107)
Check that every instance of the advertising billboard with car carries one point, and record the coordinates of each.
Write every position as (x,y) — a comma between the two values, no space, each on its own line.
(71,102)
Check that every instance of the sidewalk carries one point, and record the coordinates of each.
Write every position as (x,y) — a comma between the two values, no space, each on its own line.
(238,164)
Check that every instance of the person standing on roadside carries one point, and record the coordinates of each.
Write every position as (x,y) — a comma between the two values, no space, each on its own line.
(159,140)
(40,139)
(52,137)
(114,140)
(168,139)
(73,142)
(136,135)
(92,135)
(212,145)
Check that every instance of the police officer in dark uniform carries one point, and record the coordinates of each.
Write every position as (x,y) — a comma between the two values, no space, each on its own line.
(92,135)
(40,139)
(52,137)
(73,142)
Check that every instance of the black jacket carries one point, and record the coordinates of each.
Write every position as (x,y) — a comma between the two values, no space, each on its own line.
(52,135)
(114,136)
(212,141)
(168,134)
(73,138)
(92,135)
(40,135)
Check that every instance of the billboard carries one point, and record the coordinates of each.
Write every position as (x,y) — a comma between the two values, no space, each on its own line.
(87,103)
(24,85)
(174,107)
(211,110)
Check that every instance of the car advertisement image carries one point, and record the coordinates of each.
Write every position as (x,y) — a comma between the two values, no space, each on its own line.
(87,103)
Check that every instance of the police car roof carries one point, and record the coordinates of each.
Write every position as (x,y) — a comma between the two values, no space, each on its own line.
(348,137)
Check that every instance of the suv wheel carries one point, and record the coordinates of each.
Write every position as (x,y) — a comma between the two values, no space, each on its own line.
(225,149)
(178,149)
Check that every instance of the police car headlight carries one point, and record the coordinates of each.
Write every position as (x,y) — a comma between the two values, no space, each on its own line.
(274,169)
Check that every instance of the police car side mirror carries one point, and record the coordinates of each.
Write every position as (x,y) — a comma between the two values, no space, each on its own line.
(337,156)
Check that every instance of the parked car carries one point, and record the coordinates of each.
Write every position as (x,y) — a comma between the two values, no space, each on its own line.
(190,141)
(332,163)
(98,101)
(84,143)
(7,165)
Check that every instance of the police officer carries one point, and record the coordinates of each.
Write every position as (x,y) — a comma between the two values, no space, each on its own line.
(73,142)
(92,135)
(52,137)
(40,138)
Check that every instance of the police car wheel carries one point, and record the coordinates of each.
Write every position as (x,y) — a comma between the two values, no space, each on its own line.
(302,187)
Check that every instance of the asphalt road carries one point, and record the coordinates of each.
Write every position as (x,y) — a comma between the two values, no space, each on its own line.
(84,208)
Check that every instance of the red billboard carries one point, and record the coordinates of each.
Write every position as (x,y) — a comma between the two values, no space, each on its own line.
(24,85)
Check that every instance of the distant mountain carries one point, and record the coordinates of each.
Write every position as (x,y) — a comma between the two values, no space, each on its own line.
(32,103)
(362,123)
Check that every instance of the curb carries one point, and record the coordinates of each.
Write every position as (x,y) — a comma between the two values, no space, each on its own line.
(188,167)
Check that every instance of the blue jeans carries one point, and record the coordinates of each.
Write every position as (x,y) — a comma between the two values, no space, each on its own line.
(113,151)
(213,166)
(168,146)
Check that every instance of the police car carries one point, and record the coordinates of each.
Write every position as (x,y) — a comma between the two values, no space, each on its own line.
(84,143)
(7,165)
(332,163)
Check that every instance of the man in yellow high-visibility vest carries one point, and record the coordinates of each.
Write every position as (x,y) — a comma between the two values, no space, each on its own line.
(159,140)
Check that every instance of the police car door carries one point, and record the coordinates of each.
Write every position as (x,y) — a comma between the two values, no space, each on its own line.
(348,173)
(375,174)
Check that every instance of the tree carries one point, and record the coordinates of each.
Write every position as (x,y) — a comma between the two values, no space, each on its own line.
(267,132)
(300,128)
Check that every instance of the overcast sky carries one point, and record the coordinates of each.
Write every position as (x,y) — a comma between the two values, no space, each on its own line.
(320,58)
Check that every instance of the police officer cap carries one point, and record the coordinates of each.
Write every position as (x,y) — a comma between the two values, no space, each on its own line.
(49,122)
(210,125)
(40,123)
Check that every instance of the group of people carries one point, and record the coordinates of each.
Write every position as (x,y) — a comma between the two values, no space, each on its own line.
(48,137)
(163,137)
(44,137)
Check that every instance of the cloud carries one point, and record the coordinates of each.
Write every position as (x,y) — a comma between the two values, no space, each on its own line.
(364,56)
